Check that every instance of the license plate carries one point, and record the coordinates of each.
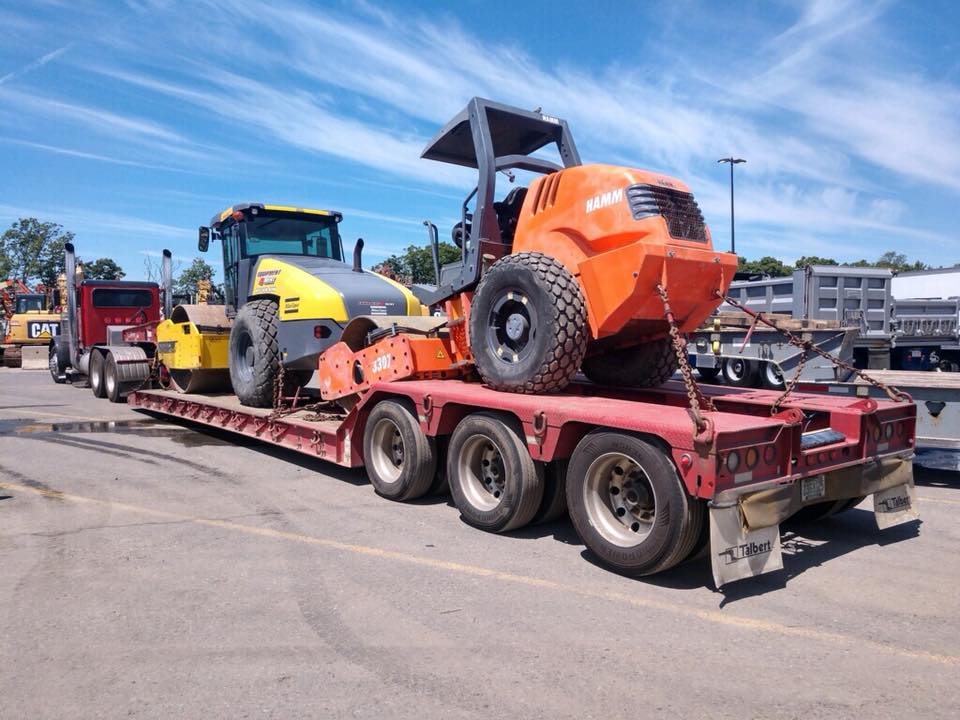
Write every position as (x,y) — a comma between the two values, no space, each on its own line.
(813,488)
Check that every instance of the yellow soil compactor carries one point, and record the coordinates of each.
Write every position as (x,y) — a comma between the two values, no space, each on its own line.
(289,295)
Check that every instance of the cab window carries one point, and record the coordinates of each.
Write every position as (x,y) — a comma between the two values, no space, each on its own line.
(122,298)
(311,235)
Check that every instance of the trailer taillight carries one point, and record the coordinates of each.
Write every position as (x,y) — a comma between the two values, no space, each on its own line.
(752,458)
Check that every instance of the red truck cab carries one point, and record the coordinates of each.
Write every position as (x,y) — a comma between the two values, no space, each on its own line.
(107,307)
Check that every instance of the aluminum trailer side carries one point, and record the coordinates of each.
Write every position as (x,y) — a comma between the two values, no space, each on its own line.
(644,491)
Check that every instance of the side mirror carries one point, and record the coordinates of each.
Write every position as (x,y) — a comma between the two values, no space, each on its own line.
(203,242)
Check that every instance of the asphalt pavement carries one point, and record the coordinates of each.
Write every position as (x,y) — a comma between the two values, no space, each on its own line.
(155,570)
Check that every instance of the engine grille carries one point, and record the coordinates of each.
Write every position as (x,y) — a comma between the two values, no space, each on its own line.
(679,209)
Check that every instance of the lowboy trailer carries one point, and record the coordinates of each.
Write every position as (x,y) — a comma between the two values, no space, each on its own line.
(643,489)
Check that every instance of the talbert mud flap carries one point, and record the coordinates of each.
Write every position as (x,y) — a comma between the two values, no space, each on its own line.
(895,506)
(736,552)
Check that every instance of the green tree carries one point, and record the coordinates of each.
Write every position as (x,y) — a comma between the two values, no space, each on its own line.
(802,262)
(415,264)
(766,265)
(186,281)
(898,262)
(103,269)
(34,250)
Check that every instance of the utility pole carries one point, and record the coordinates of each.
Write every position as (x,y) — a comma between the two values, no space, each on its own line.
(733,161)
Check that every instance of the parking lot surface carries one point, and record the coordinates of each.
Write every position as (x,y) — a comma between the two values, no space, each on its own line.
(156,570)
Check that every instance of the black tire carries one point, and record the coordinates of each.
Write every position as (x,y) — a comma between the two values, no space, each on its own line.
(740,372)
(628,505)
(495,483)
(95,374)
(56,372)
(708,375)
(440,485)
(770,377)
(399,457)
(111,380)
(647,365)
(254,353)
(528,325)
(553,506)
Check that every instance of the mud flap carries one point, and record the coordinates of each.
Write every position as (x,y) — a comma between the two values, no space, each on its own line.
(737,552)
(895,506)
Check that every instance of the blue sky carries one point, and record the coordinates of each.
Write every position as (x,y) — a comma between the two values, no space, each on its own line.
(131,123)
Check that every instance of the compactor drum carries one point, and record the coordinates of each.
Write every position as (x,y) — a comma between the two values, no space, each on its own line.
(289,294)
(564,274)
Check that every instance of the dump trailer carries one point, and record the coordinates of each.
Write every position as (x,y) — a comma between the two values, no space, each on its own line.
(645,487)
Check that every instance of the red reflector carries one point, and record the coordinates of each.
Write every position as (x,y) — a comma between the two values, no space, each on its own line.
(318,331)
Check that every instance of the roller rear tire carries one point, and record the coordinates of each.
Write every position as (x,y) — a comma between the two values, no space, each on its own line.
(648,365)
(255,355)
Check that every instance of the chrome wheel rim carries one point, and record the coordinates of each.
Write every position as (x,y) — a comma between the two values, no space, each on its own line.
(481,472)
(109,379)
(387,450)
(736,368)
(620,500)
(96,373)
(774,376)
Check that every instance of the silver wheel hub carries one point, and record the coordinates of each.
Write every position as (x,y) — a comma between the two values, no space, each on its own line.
(481,472)
(387,450)
(619,499)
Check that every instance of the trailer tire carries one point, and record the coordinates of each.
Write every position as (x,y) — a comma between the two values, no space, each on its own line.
(95,374)
(554,503)
(770,376)
(648,365)
(400,459)
(739,372)
(628,505)
(528,324)
(254,353)
(708,375)
(111,379)
(495,483)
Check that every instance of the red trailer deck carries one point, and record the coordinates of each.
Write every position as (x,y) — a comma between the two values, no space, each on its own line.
(643,492)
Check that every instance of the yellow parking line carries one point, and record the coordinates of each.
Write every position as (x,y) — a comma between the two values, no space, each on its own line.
(711,616)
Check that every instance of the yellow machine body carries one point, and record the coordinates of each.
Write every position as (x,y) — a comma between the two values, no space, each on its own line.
(193,345)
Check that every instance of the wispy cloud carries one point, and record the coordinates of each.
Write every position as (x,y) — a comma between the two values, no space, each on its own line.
(89,156)
(36,64)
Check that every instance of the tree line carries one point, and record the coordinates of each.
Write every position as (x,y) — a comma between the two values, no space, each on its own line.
(772,267)
(32,251)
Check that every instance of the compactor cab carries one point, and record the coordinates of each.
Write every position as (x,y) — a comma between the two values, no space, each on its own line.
(564,272)
(289,294)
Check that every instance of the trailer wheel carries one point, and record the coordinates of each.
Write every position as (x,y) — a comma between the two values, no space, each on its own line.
(554,503)
(400,458)
(739,372)
(528,324)
(254,353)
(771,377)
(95,374)
(111,379)
(495,483)
(708,375)
(56,372)
(648,365)
(628,505)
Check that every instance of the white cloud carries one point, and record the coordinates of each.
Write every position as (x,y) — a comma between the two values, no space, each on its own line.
(36,64)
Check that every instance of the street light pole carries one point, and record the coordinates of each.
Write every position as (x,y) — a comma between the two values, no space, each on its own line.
(732,161)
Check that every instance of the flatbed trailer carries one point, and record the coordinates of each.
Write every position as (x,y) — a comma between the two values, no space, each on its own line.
(645,491)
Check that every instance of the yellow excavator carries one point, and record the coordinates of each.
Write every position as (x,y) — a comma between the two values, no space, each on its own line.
(288,296)
(30,322)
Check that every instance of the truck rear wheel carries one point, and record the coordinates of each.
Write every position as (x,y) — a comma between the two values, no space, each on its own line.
(647,365)
(400,458)
(495,483)
(771,377)
(528,324)
(254,353)
(95,374)
(628,505)
(56,372)
(111,379)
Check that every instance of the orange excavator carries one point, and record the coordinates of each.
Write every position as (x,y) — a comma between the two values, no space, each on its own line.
(568,273)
